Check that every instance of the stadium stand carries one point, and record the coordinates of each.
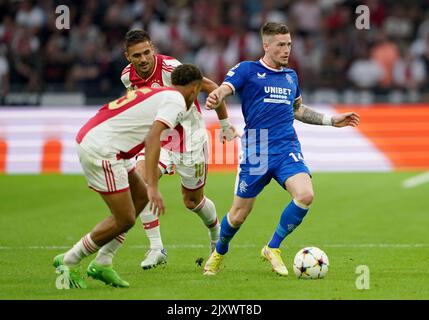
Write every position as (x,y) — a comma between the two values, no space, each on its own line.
(336,61)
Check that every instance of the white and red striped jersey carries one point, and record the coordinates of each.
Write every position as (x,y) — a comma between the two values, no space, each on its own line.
(119,128)
(192,131)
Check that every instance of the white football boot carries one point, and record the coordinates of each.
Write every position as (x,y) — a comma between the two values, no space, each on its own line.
(153,258)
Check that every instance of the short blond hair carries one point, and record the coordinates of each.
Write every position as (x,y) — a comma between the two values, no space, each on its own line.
(273,28)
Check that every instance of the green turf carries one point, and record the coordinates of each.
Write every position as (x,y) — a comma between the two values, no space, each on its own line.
(357,219)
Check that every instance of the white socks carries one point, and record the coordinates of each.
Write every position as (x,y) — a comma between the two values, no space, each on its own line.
(83,248)
(108,251)
(206,210)
(151,227)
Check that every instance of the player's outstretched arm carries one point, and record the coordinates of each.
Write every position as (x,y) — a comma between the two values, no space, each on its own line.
(229,132)
(152,150)
(307,115)
(217,96)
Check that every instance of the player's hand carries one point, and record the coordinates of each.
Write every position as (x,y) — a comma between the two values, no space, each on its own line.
(156,204)
(345,119)
(228,134)
(213,100)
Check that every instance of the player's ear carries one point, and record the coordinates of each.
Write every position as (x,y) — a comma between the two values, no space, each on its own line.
(265,46)
(265,43)
(126,56)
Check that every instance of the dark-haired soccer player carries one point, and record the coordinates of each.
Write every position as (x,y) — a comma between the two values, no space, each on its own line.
(185,152)
(105,144)
(271,100)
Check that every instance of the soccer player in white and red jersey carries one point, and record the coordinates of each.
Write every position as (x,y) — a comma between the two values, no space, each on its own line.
(105,145)
(186,152)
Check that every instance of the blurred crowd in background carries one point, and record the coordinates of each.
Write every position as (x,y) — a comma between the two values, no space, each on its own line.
(328,50)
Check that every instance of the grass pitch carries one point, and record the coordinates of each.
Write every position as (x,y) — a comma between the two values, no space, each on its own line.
(357,219)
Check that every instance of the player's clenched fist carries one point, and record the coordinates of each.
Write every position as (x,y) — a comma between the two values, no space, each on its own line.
(213,100)
(215,97)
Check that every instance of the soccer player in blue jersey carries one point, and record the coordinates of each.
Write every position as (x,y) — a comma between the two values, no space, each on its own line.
(271,100)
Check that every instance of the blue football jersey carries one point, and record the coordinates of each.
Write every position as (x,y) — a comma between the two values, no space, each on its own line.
(267,97)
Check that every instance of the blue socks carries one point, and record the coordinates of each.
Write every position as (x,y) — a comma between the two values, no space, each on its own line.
(227,232)
(291,218)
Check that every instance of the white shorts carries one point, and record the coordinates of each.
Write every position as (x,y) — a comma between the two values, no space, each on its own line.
(191,166)
(105,175)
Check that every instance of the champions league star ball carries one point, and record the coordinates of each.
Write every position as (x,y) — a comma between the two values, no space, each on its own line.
(310,263)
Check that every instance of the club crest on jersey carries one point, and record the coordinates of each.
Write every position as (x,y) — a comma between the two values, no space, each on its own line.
(261,75)
(289,78)
(155,85)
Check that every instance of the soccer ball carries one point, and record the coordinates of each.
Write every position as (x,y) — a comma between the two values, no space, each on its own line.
(310,263)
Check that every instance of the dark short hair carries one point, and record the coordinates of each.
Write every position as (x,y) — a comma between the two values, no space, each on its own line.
(273,28)
(133,37)
(185,74)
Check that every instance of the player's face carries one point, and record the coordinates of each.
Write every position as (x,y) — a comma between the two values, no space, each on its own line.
(141,55)
(277,49)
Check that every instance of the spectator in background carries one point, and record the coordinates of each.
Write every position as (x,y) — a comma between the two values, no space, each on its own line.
(55,64)
(30,16)
(409,72)
(83,34)
(211,59)
(332,71)
(309,59)
(7,30)
(269,12)
(385,53)
(307,16)
(4,72)
(242,45)
(85,73)
(398,25)
(378,12)
(365,73)
(26,65)
(324,26)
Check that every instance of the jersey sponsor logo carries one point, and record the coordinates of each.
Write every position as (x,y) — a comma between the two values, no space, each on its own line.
(277,90)
(277,95)
(277,101)
(261,75)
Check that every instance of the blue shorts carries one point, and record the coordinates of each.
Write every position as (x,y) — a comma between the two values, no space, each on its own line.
(251,179)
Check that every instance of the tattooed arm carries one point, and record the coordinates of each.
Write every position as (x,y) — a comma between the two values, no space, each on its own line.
(307,115)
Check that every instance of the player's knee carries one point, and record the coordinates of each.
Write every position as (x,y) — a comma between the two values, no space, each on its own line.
(305,197)
(238,217)
(237,220)
(140,204)
(190,203)
(125,223)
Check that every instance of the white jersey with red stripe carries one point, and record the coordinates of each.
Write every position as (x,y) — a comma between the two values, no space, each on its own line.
(119,128)
(190,135)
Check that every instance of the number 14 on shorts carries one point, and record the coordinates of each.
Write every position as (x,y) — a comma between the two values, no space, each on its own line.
(296,156)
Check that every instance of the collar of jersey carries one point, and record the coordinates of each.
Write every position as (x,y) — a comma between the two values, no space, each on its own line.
(268,67)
